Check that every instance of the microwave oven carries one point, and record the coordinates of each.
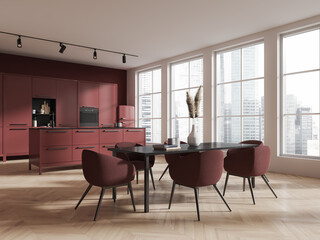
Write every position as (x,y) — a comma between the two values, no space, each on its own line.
(89,117)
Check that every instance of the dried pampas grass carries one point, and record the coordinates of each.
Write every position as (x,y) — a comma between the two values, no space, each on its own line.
(193,105)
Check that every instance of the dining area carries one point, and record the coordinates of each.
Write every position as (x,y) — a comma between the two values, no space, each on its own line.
(189,166)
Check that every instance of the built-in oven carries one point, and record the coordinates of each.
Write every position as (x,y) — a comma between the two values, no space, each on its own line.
(89,117)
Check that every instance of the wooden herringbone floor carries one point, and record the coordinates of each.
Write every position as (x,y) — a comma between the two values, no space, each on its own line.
(42,207)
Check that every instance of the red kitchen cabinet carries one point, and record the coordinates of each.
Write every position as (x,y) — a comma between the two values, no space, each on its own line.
(57,154)
(108,102)
(17,101)
(16,140)
(88,94)
(85,136)
(43,87)
(126,115)
(1,87)
(137,135)
(66,108)
(58,137)
(77,151)
(104,149)
(111,136)
(1,141)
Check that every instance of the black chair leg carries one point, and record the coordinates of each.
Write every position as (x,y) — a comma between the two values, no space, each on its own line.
(266,181)
(225,202)
(137,174)
(164,172)
(244,184)
(131,194)
(114,194)
(197,202)
(253,182)
(100,200)
(83,195)
(171,196)
(225,184)
(250,186)
(151,174)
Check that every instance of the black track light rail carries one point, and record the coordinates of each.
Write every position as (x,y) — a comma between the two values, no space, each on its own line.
(69,44)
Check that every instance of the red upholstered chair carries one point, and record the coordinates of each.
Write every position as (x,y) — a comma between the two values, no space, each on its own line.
(170,157)
(136,159)
(248,163)
(197,170)
(106,172)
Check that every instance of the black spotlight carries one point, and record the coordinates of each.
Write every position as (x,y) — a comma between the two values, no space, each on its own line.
(19,44)
(124,58)
(62,48)
(95,54)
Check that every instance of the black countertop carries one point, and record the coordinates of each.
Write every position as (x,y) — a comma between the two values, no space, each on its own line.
(73,128)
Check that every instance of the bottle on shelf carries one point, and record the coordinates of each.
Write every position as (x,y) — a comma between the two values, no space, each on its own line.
(34,122)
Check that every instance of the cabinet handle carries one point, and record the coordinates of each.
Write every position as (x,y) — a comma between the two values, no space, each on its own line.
(18,124)
(89,107)
(18,129)
(61,148)
(67,124)
(84,147)
(106,124)
(111,130)
(134,130)
(108,146)
(122,118)
(88,131)
(56,131)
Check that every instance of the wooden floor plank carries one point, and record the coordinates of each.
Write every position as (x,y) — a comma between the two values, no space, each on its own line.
(42,207)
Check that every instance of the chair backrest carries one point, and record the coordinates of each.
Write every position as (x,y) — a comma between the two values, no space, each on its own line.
(104,170)
(128,156)
(198,169)
(248,161)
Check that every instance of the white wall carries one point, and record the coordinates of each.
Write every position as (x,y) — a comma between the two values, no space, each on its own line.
(296,166)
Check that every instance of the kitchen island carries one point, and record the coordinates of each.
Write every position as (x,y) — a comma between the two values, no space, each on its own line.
(52,147)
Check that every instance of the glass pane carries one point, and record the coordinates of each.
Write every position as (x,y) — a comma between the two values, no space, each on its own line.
(253,97)
(193,93)
(301,135)
(156,105)
(146,123)
(145,83)
(228,66)
(229,129)
(157,80)
(145,103)
(253,128)
(196,73)
(156,130)
(229,99)
(301,93)
(253,61)
(179,105)
(180,76)
(180,128)
(301,52)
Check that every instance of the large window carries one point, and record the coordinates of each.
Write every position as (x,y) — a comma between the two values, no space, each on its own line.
(149,104)
(300,93)
(186,76)
(240,94)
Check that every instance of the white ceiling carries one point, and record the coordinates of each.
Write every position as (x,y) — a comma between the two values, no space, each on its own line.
(152,29)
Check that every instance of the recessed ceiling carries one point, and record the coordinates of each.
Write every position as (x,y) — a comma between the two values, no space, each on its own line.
(152,29)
